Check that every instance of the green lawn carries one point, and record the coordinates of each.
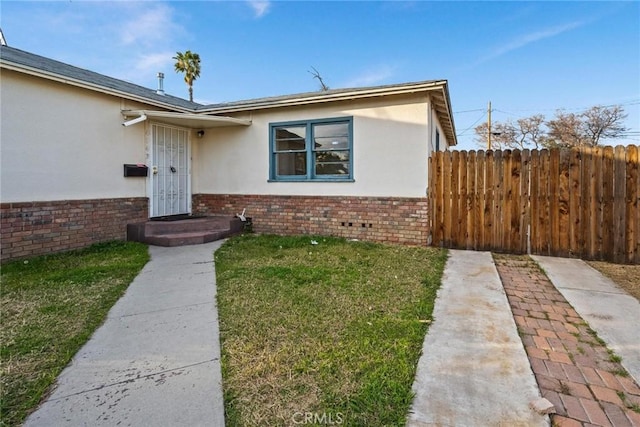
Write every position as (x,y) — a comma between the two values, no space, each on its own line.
(327,333)
(50,307)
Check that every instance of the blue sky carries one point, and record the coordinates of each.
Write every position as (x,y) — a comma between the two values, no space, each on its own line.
(524,57)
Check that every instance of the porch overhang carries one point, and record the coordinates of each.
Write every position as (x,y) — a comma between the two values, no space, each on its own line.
(186,120)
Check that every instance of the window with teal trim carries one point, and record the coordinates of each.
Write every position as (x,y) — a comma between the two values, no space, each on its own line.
(312,150)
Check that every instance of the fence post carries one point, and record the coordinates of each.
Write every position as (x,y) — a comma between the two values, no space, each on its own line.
(478,197)
(489,194)
(603,175)
(525,206)
(575,164)
(632,206)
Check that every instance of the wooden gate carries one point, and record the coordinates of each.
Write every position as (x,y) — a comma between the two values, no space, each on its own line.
(562,202)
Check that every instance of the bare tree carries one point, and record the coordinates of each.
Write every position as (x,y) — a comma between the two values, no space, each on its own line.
(501,135)
(521,134)
(564,130)
(587,128)
(530,131)
(603,122)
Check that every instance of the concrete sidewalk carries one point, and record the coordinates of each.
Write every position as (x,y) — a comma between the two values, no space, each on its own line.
(473,370)
(609,310)
(156,359)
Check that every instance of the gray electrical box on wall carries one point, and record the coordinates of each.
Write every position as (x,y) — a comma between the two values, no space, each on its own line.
(135,170)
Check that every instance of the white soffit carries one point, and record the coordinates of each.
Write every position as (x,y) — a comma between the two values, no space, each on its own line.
(187,120)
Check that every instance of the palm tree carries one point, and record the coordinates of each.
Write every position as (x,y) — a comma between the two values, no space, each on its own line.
(189,64)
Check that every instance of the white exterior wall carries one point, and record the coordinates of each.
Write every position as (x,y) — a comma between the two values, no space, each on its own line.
(390,151)
(434,125)
(444,143)
(60,142)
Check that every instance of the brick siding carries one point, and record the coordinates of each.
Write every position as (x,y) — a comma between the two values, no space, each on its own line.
(37,228)
(381,219)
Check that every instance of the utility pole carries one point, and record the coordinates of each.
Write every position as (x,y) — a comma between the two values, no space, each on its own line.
(489,126)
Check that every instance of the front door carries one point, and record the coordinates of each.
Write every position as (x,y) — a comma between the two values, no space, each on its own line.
(170,171)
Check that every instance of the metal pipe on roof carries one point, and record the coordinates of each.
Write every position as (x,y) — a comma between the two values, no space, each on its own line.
(160,90)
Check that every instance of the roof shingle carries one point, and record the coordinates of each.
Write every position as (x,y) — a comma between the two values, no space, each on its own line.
(51,66)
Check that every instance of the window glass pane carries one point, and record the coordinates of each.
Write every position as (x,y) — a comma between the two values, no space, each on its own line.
(332,163)
(312,150)
(290,138)
(333,136)
(291,163)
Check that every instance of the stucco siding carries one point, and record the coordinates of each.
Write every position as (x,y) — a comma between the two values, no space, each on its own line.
(390,139)
(64,143)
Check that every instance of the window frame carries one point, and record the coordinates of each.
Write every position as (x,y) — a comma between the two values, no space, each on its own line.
(310,151)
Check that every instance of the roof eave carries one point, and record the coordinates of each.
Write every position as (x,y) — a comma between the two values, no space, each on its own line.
(444,108)
(276,102)
(83,84)
(321,97)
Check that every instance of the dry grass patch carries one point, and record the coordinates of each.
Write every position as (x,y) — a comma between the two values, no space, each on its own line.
(625,276)
(50,307)
(333,329)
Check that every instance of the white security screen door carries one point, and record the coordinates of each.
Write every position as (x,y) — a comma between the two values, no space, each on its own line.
(170,171)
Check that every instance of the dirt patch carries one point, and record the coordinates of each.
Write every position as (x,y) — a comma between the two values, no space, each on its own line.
(625,276)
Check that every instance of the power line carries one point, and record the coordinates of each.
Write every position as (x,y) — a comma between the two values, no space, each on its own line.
(484,113)
(634,101)
(468,111)
(627,134)
(506,112)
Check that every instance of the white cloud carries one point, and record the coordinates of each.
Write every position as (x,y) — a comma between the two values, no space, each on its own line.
(143,68)
(524,40)
(260,7)
(148,25)
(371,76)
(148,32)
(149,63)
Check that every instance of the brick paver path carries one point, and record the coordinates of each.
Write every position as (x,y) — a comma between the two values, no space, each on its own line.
(571,364)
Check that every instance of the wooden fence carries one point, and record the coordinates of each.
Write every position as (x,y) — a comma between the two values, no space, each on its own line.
(562,202)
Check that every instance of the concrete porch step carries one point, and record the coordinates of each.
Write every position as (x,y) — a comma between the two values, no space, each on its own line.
(184,232)
(183,239)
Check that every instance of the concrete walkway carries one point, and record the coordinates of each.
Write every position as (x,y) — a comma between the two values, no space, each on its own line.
(473,370)
(609,310)
(156,359)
